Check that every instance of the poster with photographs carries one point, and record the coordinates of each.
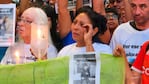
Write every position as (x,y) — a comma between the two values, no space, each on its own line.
(84,68)
(7,24)
(72,3)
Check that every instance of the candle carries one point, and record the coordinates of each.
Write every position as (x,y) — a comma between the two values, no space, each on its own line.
(17,56)
(39,39)
(39,42)
(39,33)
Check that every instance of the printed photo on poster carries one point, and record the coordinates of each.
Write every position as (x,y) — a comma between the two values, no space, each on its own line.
(7,24)
(72,3)
(83,69)
(87,3)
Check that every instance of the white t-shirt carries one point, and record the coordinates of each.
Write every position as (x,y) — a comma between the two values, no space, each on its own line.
(25,55)
(72,49)
(130,38)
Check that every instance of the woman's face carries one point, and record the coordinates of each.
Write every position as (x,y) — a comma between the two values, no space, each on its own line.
(77,27)
(25,25)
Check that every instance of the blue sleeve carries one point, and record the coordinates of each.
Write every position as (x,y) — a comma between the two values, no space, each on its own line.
(2,52)
(68,39)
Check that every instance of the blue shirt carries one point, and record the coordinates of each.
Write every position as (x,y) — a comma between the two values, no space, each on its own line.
(68,39)
(2,52)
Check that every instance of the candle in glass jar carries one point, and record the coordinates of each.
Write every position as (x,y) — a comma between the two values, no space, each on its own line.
(39,42)
(39,33)
(39,39)
(17,56)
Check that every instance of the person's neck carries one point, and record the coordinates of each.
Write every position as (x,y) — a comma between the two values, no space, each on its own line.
(27,40)
(111,31)
(80,44)
(143,26)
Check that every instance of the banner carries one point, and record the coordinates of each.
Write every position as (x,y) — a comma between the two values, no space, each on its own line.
(56,71)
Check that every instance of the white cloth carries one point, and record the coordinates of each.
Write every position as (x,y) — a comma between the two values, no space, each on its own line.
(72,49)
(24,53)
(130,38)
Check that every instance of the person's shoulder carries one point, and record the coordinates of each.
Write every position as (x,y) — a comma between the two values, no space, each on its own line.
(100,44)
(124,26)
(103,48)
(64,51)
(52,51)
(69,46)
(52,48)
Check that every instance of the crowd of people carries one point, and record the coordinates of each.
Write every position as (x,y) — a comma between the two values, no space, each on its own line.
(118,27)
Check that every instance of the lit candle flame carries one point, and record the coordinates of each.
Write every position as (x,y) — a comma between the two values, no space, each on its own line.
(39,33)
(17,55)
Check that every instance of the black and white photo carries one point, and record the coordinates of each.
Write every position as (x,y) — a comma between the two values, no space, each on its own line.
(83,69)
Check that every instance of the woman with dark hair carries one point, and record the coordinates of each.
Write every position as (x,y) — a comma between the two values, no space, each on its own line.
(86,28)
(99,22)
(52,18)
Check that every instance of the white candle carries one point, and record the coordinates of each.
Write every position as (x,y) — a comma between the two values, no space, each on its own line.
(17,56)
(39,34)
(39,39)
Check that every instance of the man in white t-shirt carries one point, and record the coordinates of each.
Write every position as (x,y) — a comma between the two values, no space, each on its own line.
(133,34)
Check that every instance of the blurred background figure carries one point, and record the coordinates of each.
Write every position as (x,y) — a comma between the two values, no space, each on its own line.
(123,8)
(112,19)
(52,18)
(52,3)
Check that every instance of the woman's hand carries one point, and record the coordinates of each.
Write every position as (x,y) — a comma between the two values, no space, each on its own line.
(37,58)
(88,33)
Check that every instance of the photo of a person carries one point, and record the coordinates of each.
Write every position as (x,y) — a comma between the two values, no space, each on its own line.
(2,25)
(83,69)
(85,74)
